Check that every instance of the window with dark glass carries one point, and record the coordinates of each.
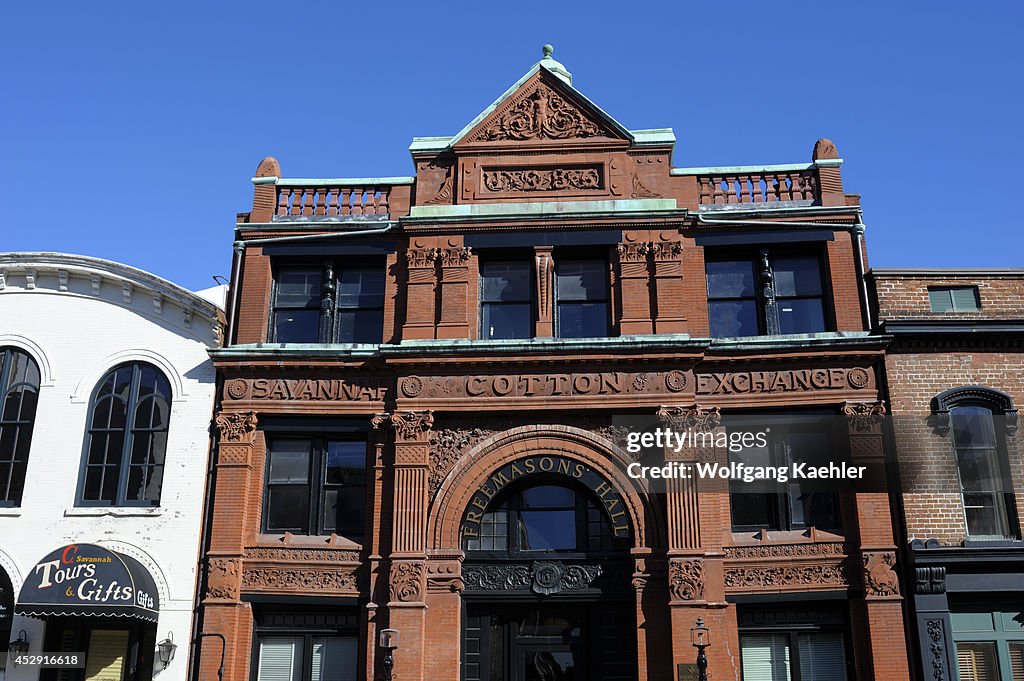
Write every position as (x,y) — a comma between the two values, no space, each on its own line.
(581,298)
(19,390)
(796,504)
(316,486)
(953,298)
(506,299)
(545,518)
(765,293)
(333,303)
(987,494)
(126,441)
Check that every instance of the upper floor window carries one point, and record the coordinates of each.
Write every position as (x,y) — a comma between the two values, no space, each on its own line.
(127,438)
(328,304)
(545,518)
(581,298)
(765,293)
(796,504)
(953,298)
(978,418)
(506,299)
(316,486)
(19,392)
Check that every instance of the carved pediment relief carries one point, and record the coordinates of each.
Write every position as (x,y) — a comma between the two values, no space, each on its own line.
(543,110)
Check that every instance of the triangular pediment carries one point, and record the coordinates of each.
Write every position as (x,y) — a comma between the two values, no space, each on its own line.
(540,109)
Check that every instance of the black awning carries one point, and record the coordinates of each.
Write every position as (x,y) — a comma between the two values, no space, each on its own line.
(86,580)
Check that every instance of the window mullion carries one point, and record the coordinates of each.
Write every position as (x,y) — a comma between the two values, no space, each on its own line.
(316,488)
(766,278)
(129,436)
(328,289)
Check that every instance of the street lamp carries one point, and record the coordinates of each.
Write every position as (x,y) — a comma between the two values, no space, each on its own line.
(389,642)
(165,649)
(18,646)
(700,637)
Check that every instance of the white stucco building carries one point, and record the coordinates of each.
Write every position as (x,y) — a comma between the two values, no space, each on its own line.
(106,396)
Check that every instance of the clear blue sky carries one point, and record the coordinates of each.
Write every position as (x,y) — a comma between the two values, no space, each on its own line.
(130,129)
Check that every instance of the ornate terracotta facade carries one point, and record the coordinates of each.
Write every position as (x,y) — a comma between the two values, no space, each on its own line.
(455,419)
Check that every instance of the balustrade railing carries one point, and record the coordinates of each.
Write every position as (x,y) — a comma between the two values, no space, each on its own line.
(758,187)
(331,200)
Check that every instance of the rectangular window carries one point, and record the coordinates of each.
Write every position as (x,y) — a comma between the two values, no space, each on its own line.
(334,303)
(581,297)
(506,299)
(987,496)
(316,486)
(953,298)
(977,661)
(795,504)
(307,658)
(793,656)
(765,293)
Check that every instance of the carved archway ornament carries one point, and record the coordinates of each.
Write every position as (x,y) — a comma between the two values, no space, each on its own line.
(576,454)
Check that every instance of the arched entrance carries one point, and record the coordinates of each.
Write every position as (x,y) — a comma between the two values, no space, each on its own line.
(547,573)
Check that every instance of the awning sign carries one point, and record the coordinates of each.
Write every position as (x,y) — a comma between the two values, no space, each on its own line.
(86,580)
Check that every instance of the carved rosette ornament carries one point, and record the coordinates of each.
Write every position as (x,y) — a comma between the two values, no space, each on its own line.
(879,577)
(411,425)
(863,417)
(686,579)
(222,578)
(407,582)
(541,114)
(236,426)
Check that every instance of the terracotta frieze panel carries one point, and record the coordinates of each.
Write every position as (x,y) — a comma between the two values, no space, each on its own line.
(805,566)
(504,181)
(544,577)
(303,390)
(293,555)
(538,113)
(686,579)
(222,578)
(446,446)
(300,578)
(880,578)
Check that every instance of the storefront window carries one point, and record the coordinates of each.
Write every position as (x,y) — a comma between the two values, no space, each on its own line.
(19,393)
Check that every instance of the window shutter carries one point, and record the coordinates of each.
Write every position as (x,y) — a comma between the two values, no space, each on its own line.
(765,657)
(940,300)
(965,299)
(280,658)
(1017,661)
(334,659)
(976,662)
(822,657)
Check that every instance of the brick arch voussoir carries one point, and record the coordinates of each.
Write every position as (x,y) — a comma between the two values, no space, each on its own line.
(478,463)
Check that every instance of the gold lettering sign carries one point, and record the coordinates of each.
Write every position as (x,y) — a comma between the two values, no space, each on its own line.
(548,464)
(304,390)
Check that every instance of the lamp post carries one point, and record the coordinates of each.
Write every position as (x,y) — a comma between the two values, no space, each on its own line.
(389,642)
(700,637)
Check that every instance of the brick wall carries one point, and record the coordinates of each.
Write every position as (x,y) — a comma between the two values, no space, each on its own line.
(906,297)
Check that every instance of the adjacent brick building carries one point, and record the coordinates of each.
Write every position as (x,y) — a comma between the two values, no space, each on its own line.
(955,375)
(417,421)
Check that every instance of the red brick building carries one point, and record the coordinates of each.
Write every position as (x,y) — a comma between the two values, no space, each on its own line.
(955,374)
(416,427)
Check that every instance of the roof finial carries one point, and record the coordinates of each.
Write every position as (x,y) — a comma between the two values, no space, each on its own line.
(547,50)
